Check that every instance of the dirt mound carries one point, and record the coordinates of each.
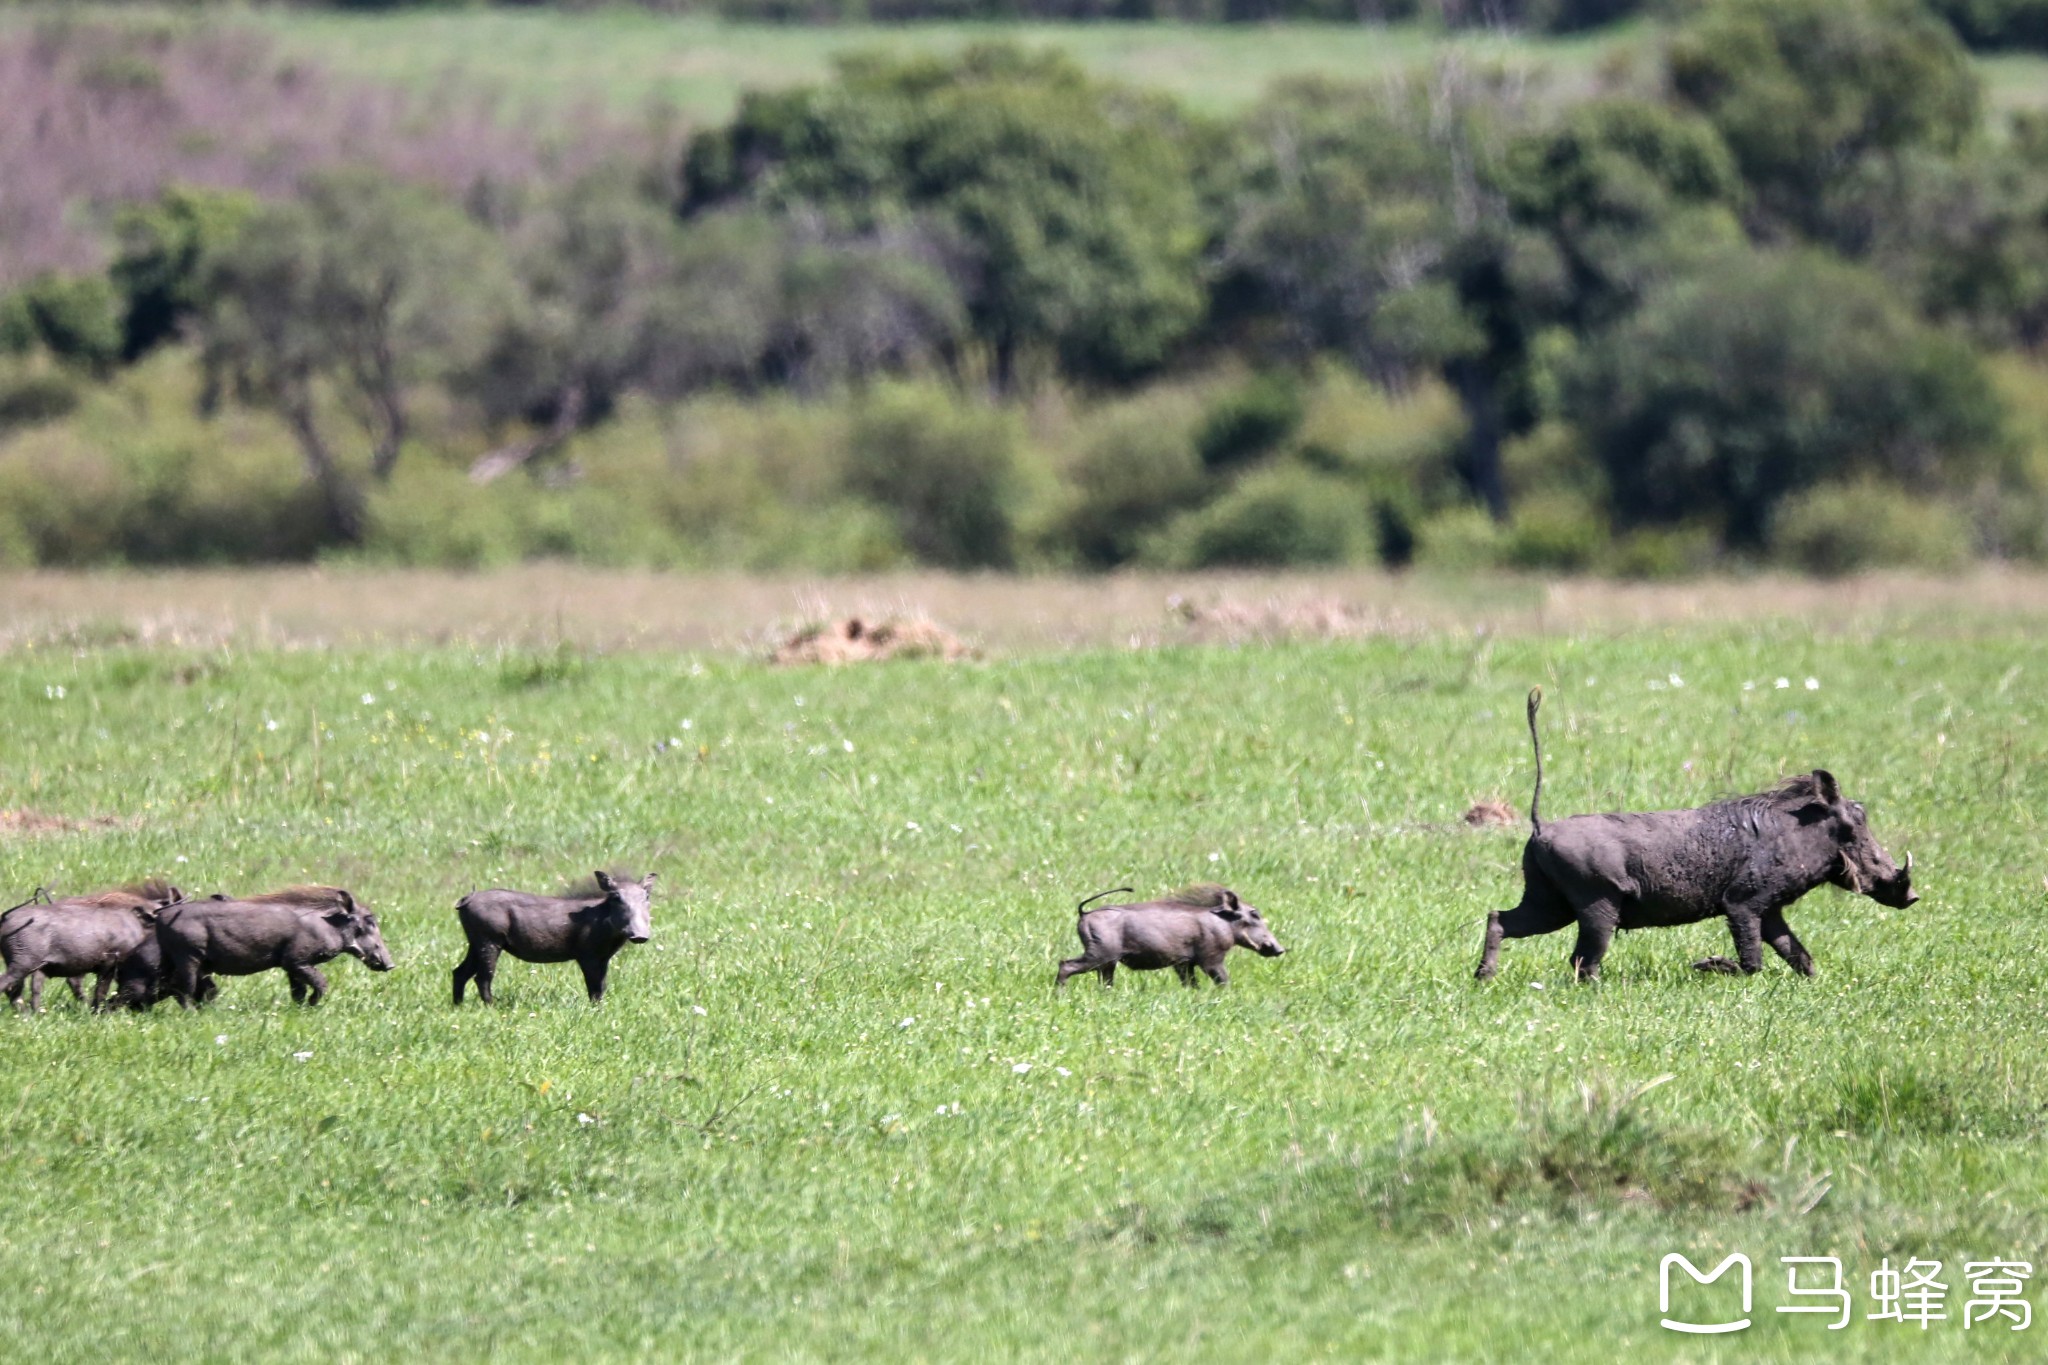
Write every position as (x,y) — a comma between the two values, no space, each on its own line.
(1279,618)
(1488,811)
(854,640)
(34,822)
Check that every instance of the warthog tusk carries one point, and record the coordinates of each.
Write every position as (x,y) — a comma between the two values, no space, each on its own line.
(1909,862)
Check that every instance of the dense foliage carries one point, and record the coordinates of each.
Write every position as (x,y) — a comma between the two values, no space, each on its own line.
(993,312)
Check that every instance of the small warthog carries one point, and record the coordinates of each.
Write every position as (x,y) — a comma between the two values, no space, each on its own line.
(109,936)
(1190,929)
(586,930)
(1745,858)
(293,930)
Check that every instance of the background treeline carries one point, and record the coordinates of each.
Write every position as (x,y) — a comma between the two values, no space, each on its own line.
(1987,25)
(1772,293)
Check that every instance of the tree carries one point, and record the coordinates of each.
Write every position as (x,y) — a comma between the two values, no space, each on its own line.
(597,278)
(1819,99)
(1070,202)
(1342,217)
(362,287)
(1765,373)
(165,250)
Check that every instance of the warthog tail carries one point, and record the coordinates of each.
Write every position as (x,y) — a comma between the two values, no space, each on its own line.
(1082,908)
(1536,743)
(42,894)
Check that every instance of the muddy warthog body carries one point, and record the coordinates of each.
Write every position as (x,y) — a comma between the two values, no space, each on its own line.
(586,930)
(1192,930)
(1744,859)
(110,936)
(292,931)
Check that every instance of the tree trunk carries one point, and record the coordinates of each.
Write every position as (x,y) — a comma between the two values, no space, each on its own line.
(1479,395)
(569,409)
(344,501)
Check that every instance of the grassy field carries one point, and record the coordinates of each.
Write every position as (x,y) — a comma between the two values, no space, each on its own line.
(835,1109)
(628,59)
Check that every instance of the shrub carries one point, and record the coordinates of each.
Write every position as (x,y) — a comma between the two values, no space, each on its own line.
(1136,467)
(1284,516)
(76,318)
(1660,552)
(944,468)
(1554,531)
(1841,528)
(1765,374)
(1460,540)
(1251,422)
(30,399)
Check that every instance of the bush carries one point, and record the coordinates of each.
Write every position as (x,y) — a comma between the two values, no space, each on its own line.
(31,399)
(1286,516)
(1136,467)
(1764,374)
(1253,421)
(1555,531)
(1660,552)
(944,468)
(1460,540)
(1841,528)
(76,318)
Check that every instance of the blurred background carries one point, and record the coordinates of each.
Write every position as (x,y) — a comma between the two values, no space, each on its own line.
(1629,288)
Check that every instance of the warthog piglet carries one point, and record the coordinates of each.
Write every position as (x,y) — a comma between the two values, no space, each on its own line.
(586,930)
(1189,930)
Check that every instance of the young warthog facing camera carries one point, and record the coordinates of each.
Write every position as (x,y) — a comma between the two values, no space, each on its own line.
(292,930)
(1745,858)
(1189,930)
(586,930)
(109,936)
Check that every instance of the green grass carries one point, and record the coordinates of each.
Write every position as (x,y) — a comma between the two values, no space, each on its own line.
(867,879)
(629,58)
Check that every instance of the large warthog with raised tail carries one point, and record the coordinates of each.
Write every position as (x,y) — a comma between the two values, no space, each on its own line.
(293,931)
(1191,930)
(586,930)
(1745,858)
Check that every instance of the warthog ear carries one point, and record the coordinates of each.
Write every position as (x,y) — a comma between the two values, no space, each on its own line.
(650,879)
(348,902)
(1230,899)
(605,882)
(1824,781)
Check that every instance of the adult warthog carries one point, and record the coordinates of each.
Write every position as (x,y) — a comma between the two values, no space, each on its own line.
(586,930)
(109,936)
(293,931)
(1746,858)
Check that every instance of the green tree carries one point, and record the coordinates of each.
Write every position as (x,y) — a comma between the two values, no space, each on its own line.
(76,318)
(362,288)
(1070,201)
(164,251)
(1819,99)
(1766,373)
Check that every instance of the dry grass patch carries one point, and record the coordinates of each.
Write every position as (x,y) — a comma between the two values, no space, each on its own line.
(857,640)
(30,823)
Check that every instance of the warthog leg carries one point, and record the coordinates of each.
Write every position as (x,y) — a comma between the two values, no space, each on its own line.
(480,965)
(595,971)
(309,986)
(1597,922)
(1746,927)
(1074,966)
(1786,944)
(1186,972)
(1527,920)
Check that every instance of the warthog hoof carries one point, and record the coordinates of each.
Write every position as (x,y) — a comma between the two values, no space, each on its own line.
(1723,965)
